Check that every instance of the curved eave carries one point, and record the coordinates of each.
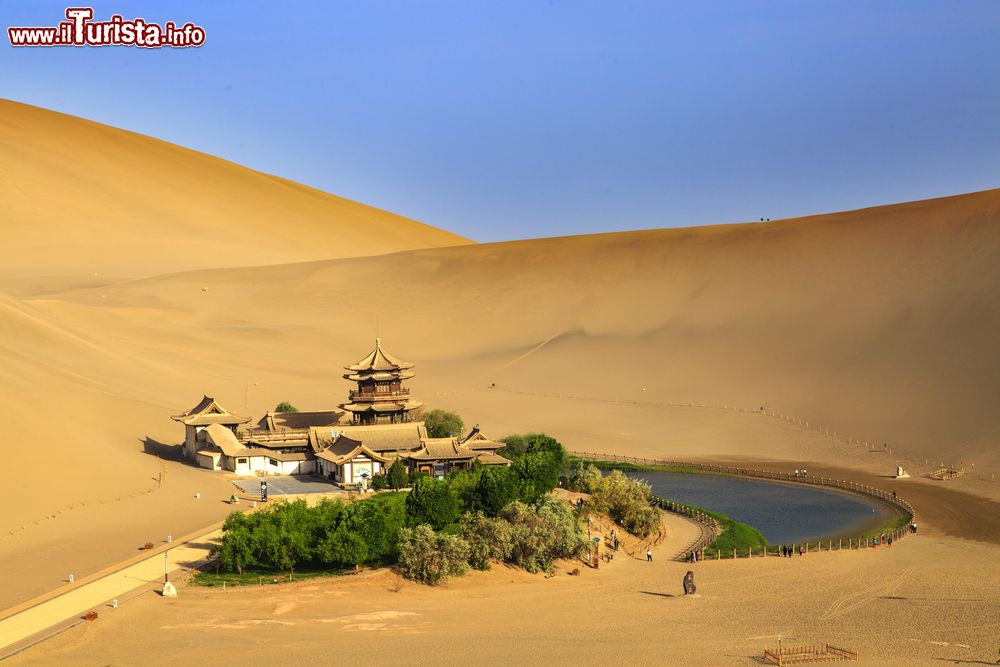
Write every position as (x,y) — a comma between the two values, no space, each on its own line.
(378,376)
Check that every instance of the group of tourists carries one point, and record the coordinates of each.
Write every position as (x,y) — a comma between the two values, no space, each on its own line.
(788,550)
(882,539)
(800,473)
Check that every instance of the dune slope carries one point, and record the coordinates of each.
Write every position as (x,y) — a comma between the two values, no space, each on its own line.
(79,198)
(880,324)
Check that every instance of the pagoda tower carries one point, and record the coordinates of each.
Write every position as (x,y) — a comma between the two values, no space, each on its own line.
(380,397)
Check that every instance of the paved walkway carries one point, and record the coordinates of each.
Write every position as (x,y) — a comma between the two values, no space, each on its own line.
(41,617)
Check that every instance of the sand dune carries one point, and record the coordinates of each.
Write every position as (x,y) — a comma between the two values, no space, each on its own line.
(78,198)
(878,324)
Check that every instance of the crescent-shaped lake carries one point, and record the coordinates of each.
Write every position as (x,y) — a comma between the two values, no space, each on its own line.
(784,513)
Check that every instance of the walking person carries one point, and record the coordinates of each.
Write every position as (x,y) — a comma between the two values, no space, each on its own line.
(649,555)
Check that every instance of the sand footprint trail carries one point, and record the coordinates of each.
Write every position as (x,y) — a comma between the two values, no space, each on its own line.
(848,603)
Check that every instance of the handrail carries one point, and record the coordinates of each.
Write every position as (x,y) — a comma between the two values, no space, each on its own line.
(353,394)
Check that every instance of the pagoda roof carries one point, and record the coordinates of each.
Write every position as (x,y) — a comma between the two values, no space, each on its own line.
(379,360)
(209,411)
(382,406)
(380,376)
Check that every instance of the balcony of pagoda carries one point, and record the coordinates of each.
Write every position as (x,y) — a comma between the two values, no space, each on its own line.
(371,396)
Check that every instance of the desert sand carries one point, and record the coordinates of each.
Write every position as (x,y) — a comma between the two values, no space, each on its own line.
(84,201)
(875,326)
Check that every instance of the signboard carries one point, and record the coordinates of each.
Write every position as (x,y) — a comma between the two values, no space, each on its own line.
(263,492)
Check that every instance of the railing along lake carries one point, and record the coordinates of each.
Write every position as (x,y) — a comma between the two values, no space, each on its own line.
(712,527)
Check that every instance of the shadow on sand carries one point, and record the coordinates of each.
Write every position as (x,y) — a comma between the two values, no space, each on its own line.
(662,595)
(162,450)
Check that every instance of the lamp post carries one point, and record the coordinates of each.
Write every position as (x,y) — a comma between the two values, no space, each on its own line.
(169,590)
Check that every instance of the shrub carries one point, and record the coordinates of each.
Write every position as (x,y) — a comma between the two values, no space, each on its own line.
(432,502)
(285,406)
(429,558)
(626,500)
(585,479)
(379,482)
(442,424)
(489,539)
(543,533)
(414,475)
(397,476)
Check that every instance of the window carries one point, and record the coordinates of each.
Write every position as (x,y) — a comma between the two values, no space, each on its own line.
(241,462)
(273,462)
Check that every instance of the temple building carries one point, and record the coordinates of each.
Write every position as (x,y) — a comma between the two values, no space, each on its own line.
(200,417)
(380,397)
(376,427)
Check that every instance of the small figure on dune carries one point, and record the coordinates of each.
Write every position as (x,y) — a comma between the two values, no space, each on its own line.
(649,555)
(689,587)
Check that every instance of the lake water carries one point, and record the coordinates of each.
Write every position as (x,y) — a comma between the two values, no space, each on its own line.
(783,513)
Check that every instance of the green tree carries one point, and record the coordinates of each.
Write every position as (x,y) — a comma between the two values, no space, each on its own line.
(379,526)
(237,551)
(464,483)
(430,558)
(538,460)
(397,476)
(442,424)
(285,406)
(432,502)
(497,487)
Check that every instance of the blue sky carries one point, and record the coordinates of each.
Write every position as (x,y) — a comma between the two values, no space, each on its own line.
(508,119)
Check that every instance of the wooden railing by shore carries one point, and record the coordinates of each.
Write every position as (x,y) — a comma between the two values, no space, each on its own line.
(902,507)
(808,653)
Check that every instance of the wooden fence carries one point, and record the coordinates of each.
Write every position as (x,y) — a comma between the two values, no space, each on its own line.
(808,653)
(886,497)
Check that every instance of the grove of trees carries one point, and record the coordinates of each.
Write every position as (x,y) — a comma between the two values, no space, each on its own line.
(439,528)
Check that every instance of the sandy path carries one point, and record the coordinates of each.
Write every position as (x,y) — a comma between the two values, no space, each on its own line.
(17,628)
